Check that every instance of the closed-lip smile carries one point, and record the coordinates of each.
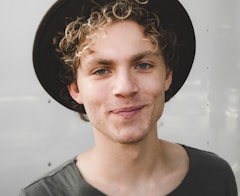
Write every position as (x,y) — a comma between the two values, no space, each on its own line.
(128,112)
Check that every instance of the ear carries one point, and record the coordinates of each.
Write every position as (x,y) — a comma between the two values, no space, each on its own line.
(74,92)
(168,81)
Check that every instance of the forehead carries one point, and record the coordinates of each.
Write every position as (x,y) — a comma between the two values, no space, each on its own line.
(121,38)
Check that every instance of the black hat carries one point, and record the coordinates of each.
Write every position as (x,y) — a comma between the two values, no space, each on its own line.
(47,65)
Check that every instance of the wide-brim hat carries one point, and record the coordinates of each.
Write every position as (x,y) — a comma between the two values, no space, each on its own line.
(47,65)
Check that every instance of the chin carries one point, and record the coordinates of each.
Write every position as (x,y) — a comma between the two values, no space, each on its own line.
(131,139)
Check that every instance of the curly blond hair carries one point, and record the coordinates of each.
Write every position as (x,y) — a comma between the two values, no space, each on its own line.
(80,35)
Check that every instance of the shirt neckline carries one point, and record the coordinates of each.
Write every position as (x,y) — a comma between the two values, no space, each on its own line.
(185,179)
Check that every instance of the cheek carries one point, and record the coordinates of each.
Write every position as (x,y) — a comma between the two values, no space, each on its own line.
(158,99)
(92,94)
(92,107)
(156,93)
(154,86)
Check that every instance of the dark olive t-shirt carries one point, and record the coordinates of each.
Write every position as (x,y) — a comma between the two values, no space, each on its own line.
(208,175)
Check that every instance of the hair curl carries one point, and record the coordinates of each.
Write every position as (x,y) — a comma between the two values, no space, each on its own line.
(80,35)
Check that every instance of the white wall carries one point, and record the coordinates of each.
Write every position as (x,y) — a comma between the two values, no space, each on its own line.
(37,134)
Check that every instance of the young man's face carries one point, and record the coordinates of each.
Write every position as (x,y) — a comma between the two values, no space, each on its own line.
(122,83)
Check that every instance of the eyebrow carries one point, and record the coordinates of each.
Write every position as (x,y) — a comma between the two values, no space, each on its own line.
(141,55)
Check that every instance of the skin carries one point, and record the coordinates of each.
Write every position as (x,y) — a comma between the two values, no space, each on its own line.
(122,84)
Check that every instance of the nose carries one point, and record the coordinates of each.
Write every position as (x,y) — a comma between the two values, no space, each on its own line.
(125,84)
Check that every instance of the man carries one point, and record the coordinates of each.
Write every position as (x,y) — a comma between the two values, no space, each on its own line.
(117,63)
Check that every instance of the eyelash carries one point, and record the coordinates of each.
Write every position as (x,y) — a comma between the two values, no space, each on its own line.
(100,71)
(146,66)
(139,66)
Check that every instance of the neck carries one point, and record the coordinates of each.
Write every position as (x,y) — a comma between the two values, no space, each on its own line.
(138,168)
(140,158)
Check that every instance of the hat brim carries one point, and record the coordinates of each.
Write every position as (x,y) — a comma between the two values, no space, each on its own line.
(47,65)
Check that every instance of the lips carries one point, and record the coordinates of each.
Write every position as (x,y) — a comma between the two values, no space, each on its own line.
(128,112)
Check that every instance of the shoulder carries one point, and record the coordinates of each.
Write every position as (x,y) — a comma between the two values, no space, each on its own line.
(54,181)
(207,169)
(206,159)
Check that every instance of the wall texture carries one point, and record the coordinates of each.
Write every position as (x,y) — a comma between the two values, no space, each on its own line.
(37,134)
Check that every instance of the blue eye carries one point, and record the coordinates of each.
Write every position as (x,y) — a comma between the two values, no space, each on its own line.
(143,66)
(101,72)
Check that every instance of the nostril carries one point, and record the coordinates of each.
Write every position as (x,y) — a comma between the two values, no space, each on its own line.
(125,91)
